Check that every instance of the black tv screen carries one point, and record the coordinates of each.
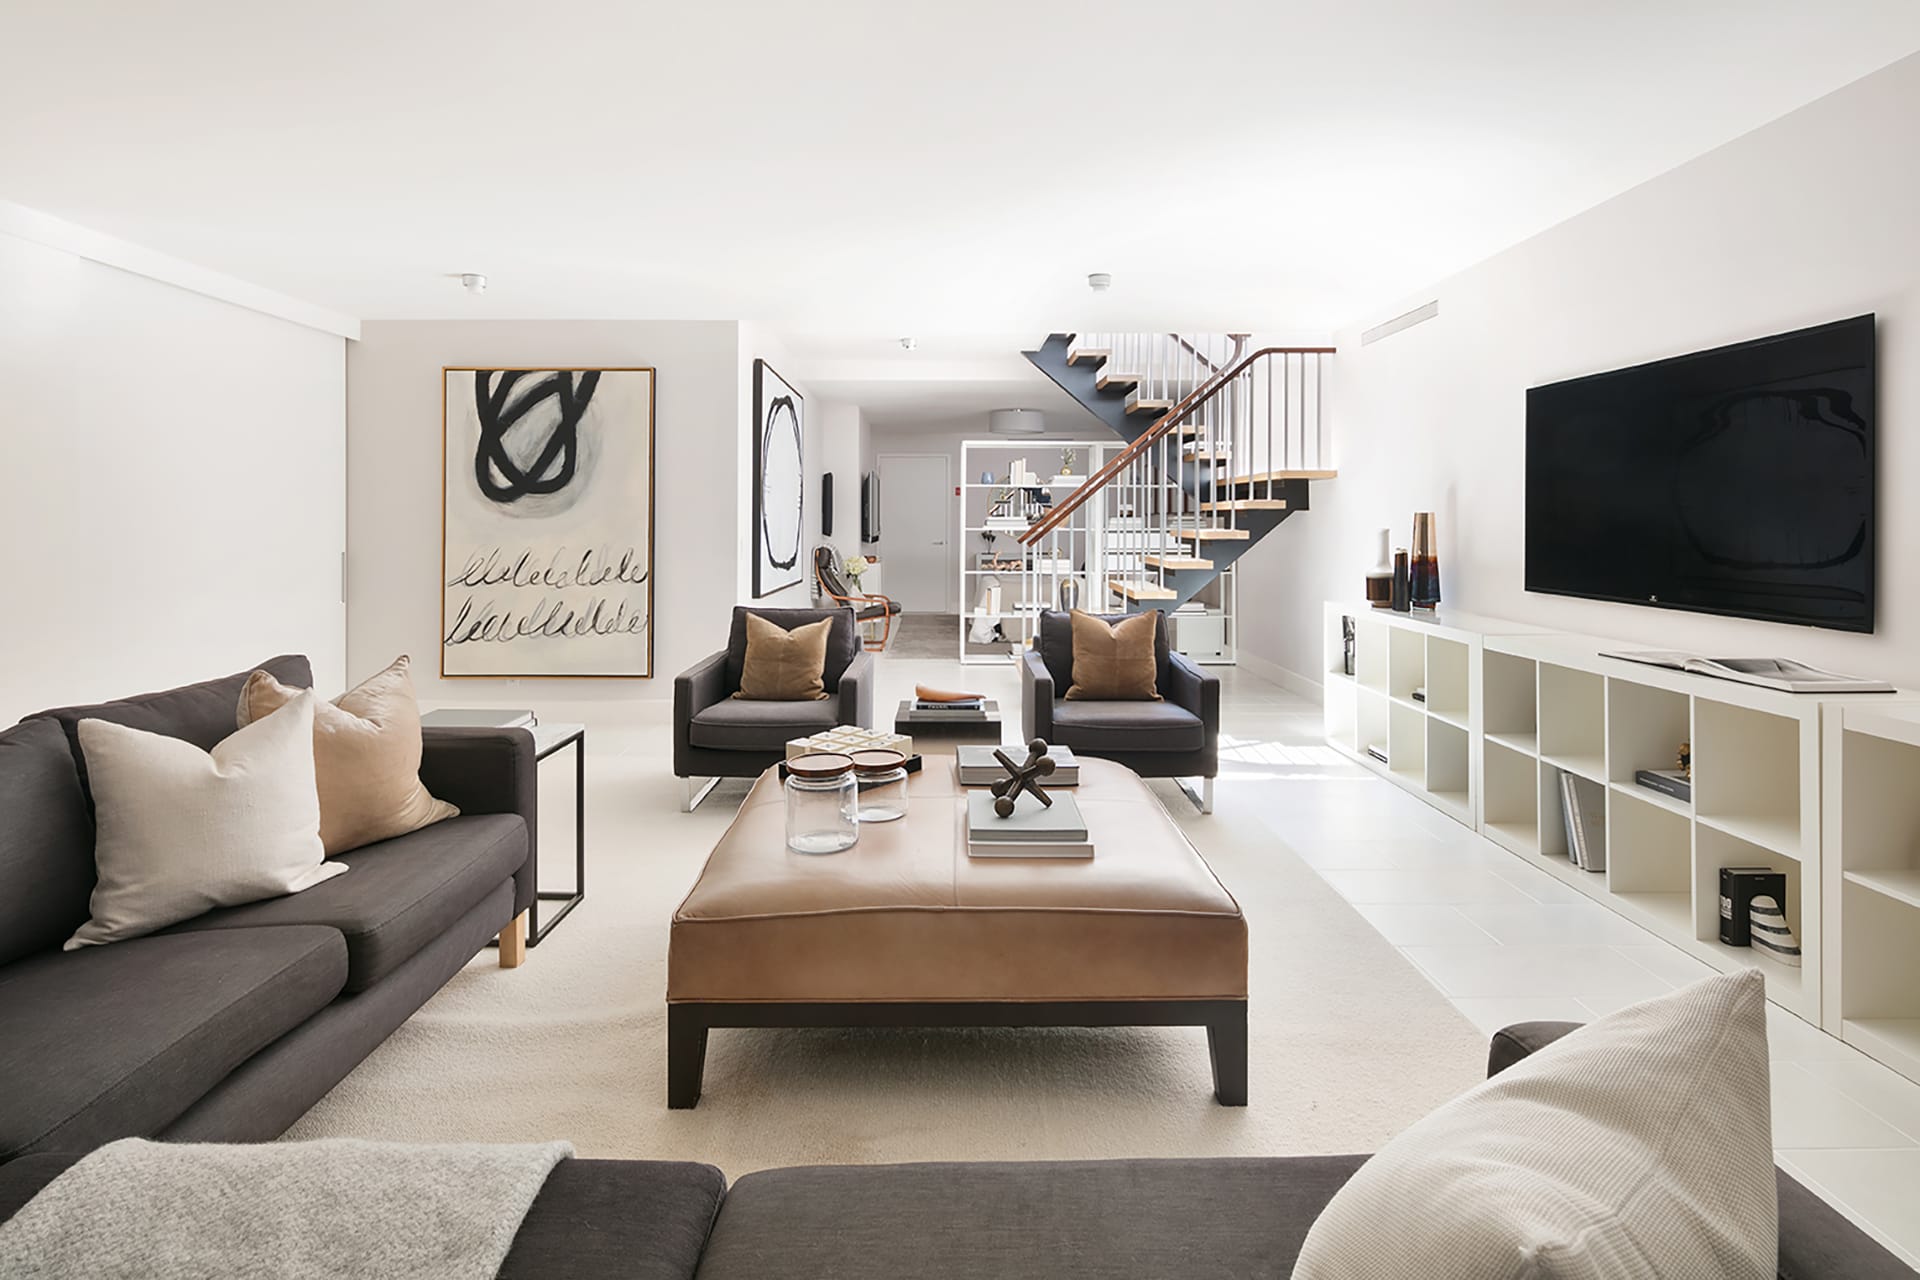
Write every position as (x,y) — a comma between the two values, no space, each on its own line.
(1734,481)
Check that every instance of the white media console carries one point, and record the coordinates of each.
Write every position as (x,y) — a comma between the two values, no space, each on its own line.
(1824,789)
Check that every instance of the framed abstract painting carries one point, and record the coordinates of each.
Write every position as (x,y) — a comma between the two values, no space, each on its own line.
(779,489)
(546,545)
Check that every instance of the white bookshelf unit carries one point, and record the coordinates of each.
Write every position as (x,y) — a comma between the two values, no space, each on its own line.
(1872,884)
(1430,745)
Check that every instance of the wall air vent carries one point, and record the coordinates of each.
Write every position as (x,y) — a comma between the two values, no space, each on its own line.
(1419,315)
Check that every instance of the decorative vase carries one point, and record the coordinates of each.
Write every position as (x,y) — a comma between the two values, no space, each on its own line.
(1380,577)
(1402,602)
(1423,571)
(1069,594)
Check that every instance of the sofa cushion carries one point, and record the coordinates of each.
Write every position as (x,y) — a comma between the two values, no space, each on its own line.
(843,639)
(1114,661)
(202,714)
(782,665)
(637,1219)
(1127,726)
(46,841)
(1055,643)
(400,895)
(1089,1220)
(741,724)
(115,1042)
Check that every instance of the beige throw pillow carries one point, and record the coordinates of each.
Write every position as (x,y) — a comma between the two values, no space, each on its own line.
(180,831)
(1639,1145)
(782,665)
(1115,663)
(366,756)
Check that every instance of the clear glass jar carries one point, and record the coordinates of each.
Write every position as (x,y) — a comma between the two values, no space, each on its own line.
(881,775)
(822,804)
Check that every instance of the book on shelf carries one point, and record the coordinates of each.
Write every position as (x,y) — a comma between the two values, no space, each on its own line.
(1739,886)
(468,718)
(1031,822)
(1583,807)
(1768,673)
(1420,693)
(1376,752)
(1668,782)
(978,768)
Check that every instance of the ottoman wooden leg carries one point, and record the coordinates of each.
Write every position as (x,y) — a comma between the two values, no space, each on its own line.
(1227,1043)
(686,1056)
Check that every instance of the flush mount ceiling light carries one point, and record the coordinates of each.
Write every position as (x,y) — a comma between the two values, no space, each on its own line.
(908,344)
(1100,282)
(473,282)
(1016,422)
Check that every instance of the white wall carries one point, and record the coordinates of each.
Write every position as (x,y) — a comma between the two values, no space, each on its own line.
(394,476)
(175,495)
(1812,218)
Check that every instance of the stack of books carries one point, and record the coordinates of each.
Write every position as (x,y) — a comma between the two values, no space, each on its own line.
(1583,805)
(978,768)
(958,708)
(1034,831)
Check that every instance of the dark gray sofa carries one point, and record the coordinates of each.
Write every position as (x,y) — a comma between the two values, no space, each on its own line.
(1177,737)
(716,735)
(1073,1220)
(229,1026)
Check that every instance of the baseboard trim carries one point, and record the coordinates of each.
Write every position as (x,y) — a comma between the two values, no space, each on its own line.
(1285,677)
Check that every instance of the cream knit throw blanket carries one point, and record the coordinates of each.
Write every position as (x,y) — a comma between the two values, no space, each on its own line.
(338,1209)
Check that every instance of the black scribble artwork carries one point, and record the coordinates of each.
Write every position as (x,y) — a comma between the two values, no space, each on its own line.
(518,457)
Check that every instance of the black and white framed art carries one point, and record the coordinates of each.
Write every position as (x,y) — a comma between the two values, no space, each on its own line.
(547,522)
(779,482)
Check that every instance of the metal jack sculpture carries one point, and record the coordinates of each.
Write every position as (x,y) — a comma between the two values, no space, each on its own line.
(1022,777)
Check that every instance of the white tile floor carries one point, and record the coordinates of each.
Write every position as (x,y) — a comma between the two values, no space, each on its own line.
(1506,943)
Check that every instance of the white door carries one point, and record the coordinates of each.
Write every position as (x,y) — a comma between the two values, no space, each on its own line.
(916,502)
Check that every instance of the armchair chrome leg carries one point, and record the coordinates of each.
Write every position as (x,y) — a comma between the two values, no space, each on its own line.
(1203,798)
(696,791)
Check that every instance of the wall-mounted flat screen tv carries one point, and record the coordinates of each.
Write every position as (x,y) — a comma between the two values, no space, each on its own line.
(1734,481)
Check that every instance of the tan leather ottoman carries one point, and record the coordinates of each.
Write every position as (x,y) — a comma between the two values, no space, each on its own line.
(905,929)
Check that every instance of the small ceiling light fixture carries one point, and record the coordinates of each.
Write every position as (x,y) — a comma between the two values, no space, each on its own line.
(1016,422)
(1100,282)
(473,282)
(908,344)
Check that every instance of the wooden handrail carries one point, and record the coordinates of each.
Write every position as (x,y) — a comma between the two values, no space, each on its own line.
(1151,436)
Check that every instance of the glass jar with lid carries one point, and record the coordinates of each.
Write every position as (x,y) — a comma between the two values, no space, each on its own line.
(822,804)
(881,775)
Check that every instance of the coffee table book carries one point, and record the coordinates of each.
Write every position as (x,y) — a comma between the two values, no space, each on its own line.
(978,768)
(1033,831)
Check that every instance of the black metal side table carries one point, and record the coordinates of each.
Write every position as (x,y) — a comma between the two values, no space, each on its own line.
(550,740)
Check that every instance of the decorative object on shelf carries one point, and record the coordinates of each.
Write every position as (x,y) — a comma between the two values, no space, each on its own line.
(1022,778)
(1685,760)
(1423,574)
(547,522)
(779,474)
(977,767)
(1069,594)
(1066,461)
(927,698)
(986,477)
(1739,886)
(1347,639)
(1380,577)
(823,813)
(880,779)
(856,566)
(1770,932)
(1402,601)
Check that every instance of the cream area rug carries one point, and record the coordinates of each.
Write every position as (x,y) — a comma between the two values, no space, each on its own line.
(1349,1044)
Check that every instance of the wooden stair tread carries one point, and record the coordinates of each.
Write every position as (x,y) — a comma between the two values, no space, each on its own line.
(1173,563)
(1136,405)
(1141,591)
(1261,477)
(1213,535)
(1077,354)
(1246,504)
(1115,379)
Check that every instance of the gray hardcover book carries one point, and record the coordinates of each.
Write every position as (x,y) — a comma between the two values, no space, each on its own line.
(1570,817)
(978,768)
(469,718)
(1029,849)
(1587,815)
(1031,823)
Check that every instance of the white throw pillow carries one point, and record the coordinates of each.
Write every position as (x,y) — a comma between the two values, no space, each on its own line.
(1639,1145)
(180,831)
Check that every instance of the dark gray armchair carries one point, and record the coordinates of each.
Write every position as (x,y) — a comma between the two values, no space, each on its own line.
(716,735)
(1177,737)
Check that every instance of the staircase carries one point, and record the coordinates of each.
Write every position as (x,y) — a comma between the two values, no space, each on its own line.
(1222,444)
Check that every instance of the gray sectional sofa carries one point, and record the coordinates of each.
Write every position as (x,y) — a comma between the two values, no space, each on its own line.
(228,1027)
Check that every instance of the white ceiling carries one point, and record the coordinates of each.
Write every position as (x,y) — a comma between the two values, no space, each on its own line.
(849,171)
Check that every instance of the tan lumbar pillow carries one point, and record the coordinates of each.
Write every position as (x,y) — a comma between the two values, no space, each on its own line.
(180,831)
(366,755)
(783,665)
(1115,663)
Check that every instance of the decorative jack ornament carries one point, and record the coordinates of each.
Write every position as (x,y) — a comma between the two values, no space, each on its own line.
(1022,777)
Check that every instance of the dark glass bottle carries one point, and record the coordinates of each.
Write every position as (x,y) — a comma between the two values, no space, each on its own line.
(1402,601)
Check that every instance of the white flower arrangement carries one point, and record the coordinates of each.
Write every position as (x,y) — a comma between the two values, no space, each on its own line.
(855,566)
